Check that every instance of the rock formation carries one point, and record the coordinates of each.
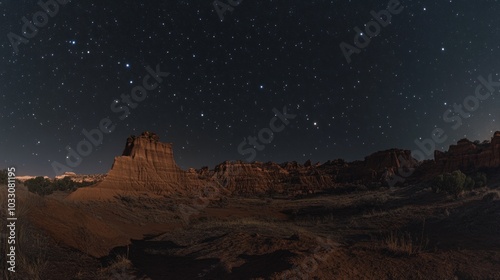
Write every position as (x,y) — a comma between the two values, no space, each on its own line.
(469,156)
(81,178)
(376,167)
(244,178)
(148,165)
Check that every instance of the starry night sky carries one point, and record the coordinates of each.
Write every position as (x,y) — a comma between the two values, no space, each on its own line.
(226,78)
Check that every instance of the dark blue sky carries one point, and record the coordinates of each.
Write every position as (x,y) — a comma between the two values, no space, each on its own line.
(226,78)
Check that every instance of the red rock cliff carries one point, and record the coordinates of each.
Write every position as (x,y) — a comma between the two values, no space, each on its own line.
(469,156)
(148,165)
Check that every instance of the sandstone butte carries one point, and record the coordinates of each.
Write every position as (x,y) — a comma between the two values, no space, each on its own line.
(148,165)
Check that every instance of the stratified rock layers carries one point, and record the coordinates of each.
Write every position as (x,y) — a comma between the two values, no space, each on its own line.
(469,156)
(147,165)
(243,178)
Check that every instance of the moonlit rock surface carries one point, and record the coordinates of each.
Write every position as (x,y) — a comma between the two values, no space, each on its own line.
(146,165)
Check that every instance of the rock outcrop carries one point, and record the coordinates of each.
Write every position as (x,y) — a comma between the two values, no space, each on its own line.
(81,178)
(469,156)
(146,165)
(376,168)
(243,178)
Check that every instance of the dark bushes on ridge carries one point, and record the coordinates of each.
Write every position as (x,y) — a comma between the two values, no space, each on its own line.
(44,186)
(457,182)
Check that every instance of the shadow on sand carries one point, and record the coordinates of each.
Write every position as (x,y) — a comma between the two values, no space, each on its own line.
(158,261)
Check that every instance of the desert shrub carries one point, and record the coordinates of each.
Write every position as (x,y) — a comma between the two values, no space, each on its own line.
(62,184)
(403,244)
(66,184)
(43,186)
(457,182)
(480,180)
(469,183)
(452,183)
(39,185)
(437,183)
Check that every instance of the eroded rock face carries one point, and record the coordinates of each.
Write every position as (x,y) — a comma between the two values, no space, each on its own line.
(393,158)
(375,168)
(469,156)
(148,165)
(243,178)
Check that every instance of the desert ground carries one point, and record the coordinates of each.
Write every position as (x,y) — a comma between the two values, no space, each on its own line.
(349,232)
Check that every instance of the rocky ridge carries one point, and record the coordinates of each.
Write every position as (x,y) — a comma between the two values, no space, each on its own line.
(148,165)
(469,156)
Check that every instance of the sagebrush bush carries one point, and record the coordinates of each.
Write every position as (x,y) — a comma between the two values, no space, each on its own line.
(480,180)
(44,186)
(457,182)
(39,185)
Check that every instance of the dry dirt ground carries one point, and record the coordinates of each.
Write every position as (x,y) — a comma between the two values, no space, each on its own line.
(351,233)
